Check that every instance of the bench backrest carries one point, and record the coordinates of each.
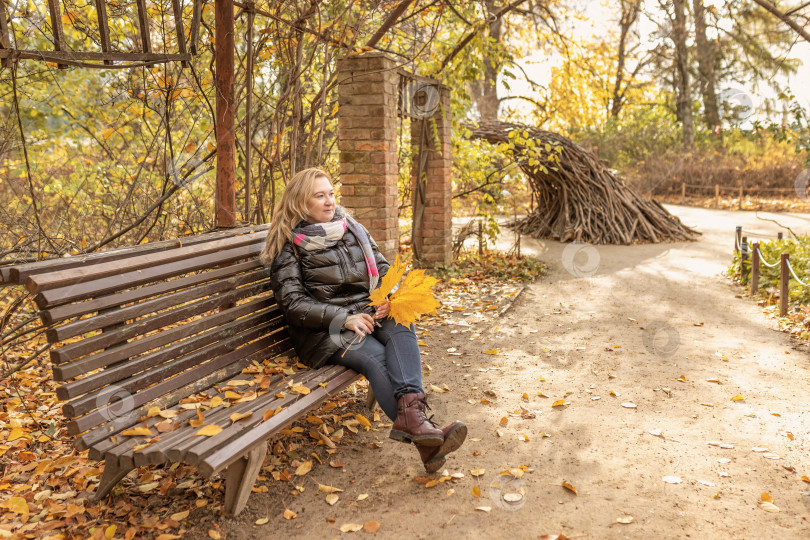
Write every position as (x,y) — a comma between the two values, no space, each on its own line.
(137,329)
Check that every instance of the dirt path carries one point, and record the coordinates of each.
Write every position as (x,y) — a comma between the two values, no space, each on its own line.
(658,326)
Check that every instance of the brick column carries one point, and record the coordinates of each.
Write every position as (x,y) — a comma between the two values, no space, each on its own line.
(432,233)
(367,140)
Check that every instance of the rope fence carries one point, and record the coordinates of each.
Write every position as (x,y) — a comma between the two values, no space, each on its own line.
(785,268)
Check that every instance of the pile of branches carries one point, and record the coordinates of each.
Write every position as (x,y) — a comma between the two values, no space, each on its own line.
(578,197)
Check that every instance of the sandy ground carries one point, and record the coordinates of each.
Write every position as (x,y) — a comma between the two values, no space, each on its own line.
(656,325)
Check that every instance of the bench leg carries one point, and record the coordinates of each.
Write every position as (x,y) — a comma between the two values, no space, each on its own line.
(240,477)
(113,473)
(371,400)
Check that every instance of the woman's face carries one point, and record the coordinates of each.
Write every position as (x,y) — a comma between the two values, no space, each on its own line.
(321,204)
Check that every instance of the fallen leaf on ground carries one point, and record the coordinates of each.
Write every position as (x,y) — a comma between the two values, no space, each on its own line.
(371,526)
(332,498)
(304,468)
(766,497)
(214,534)
(768,507)
(738,398)
(329,489)
(484,508)
(476,491)
(672,479)
(559,403)
(629,405)
(350,527)
(289,514)
(625,519)
(262,521)
(567,485)
(478,471)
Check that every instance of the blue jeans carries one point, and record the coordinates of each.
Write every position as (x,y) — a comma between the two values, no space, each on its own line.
(389,359)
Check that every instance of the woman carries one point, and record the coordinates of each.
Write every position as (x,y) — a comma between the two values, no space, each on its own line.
(323,265)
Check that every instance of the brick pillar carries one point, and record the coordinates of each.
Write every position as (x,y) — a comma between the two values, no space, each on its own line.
(432,232)
(367,140)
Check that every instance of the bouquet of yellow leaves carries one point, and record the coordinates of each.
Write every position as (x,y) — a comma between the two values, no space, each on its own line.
(411,300)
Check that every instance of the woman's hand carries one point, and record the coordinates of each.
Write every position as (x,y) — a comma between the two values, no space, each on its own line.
(383,310)
(361,324)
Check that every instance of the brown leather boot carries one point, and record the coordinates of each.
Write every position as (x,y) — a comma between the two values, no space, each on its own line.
(433,457)
(412,425)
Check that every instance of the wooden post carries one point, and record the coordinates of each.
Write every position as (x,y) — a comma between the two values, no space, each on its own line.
(779,235)
(250,5)
(194,32)
(737,238)
(784,281)
(5,40)
(683,192)
(225,205)
(716,196)
(480,238)
(755,269)
(56,25)
(103,28)
(179,29)
(739,204)
(743,257)
(143,26)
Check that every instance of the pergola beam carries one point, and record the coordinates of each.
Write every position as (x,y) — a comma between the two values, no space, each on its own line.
(56,27)
(143,26)
(103,27)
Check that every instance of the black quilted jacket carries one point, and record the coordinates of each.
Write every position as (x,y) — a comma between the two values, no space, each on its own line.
(318,290)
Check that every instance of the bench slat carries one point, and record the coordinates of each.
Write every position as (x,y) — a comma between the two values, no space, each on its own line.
(236,448)
(127,280)
(123,352)
(194,451)
(94,272)
(18,274)
(60,313)
(155,453)
(100,415)
(127,380)
(98,434)
(268,322)
(154,305)
(146,325)
(179,437)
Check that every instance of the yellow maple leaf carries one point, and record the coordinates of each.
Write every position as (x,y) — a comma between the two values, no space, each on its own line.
(380,295)
(413,298)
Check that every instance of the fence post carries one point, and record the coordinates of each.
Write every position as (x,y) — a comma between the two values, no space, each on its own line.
(784,276)
(755,269)
(779,236)
(716,196)
(737,238)
(743,257)
(480,238)
(741,198)
(683,192)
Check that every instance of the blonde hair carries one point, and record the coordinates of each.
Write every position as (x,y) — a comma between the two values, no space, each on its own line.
(290,210)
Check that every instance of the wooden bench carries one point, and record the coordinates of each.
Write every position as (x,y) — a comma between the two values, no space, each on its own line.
(166,326)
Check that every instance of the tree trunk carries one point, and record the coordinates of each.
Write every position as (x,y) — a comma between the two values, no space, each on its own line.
(706,59)
(485,92)
(630,9)
(682,74)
